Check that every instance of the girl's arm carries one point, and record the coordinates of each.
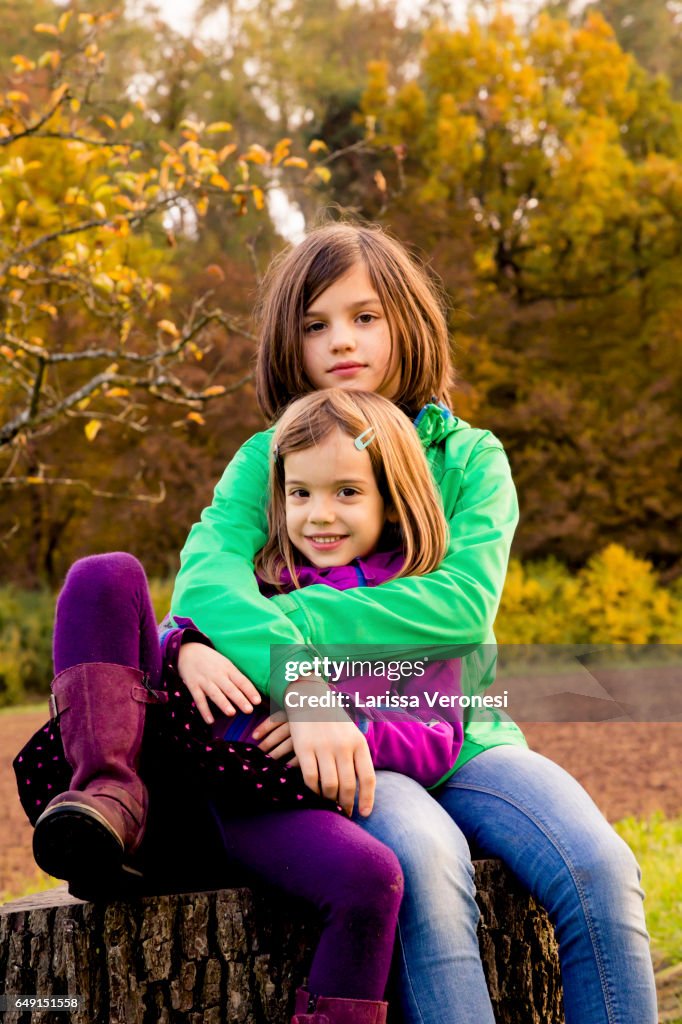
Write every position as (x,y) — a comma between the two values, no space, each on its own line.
(457,604)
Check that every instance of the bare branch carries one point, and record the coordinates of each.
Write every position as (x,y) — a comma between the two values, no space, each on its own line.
(7,140)
(41,481)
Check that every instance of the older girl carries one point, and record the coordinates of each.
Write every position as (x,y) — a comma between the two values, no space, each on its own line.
(349,308)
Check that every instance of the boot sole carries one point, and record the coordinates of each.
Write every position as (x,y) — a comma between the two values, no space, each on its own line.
(75,842)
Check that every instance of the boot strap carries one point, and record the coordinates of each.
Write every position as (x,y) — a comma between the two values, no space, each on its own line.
(58,704)
(145,695)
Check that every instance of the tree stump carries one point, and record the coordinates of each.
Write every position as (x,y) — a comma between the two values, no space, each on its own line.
(234,956)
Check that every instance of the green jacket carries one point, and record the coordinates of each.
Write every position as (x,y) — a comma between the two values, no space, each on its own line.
(456,605)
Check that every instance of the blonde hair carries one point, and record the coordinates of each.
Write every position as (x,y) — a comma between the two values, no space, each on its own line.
(398,463)
(412,302)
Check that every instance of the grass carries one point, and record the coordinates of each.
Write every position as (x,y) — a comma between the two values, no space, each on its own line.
(39,883)
(657,845)
(36,705)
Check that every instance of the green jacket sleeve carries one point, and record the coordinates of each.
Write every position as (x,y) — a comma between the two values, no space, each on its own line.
(456,604)
(216,586)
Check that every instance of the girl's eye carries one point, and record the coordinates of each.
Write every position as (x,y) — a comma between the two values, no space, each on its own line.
(298,492)
(348,492)
(366,318)
(314,328)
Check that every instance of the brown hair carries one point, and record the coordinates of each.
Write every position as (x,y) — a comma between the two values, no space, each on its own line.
(411,301)
(398,462)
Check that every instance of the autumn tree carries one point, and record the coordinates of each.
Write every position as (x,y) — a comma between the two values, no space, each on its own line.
(93,207)
(542,172)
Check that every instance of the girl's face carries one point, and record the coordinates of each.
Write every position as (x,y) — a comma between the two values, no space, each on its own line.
(347,338)
(334,510)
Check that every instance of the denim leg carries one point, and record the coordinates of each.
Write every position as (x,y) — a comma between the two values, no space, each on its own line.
(526,810)
(441,977)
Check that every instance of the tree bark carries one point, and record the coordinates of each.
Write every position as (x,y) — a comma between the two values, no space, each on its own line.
(234,956)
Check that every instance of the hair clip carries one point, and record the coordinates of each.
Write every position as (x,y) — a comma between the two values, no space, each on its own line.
(275,452)
(360,443)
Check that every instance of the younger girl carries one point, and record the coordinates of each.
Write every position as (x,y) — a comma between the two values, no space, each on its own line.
(352,503)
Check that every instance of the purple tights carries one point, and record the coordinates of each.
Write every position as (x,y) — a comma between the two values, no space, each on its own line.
(104,613)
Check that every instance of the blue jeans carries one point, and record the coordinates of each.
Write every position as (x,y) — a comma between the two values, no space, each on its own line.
(513,804)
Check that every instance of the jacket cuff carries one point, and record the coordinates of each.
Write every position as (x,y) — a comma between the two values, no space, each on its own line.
(173,640)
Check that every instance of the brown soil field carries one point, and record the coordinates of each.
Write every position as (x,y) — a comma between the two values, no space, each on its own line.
(628,769)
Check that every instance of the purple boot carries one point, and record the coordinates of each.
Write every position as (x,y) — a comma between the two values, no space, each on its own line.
(89,834)
(312,1009)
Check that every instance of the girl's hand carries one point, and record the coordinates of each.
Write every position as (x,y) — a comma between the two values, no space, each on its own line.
(332,752)
(275,736)
(209,675)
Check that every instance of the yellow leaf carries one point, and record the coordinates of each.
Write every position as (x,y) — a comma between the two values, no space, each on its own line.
(7,352)
(64,20)
(47,307)
(22,63)
(14,96)
(92,429)
(218,126)
(112,368)
(257,155)
(21,271)
(196,417)
(201,206)
(323,173)
(75,104)
(215,389)
(100,209)
(117,392)
(225,152)
(84,403)
(281,150)
(127,120)
(104,282)
(49,30)
(35,340)
(168,327)
(108,121)
(258,197)
(380,181)
(35,480)
(295,161)
(318,146)
(196,127)
(51,58)
(220,182)
(58,94)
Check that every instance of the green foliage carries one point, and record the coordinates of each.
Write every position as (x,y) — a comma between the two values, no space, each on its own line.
(616,598)
(657,843)
(26,618)
(540,171)
(161,591)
